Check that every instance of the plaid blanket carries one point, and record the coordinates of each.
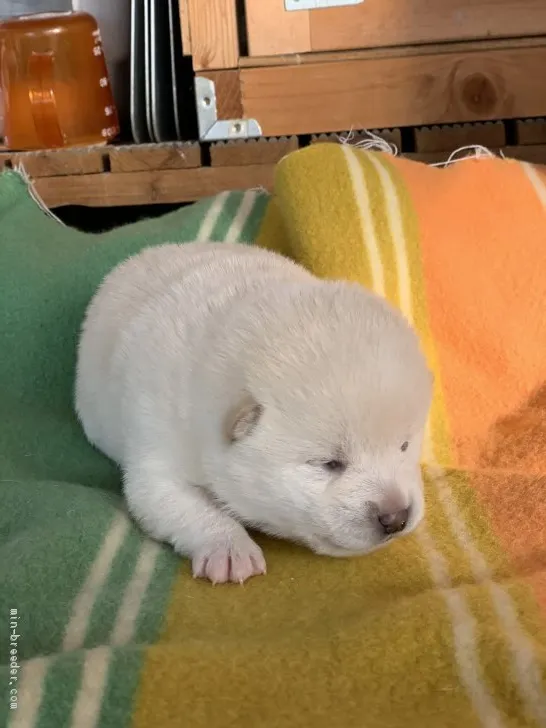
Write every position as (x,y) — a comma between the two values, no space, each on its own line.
(103,627)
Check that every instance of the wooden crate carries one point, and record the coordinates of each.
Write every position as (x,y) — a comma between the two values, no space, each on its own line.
(374,64)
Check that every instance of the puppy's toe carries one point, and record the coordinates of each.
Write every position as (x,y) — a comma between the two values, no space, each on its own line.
(217,567)
(244,564)
(229,561)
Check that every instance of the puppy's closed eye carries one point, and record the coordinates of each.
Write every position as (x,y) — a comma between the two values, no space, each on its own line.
(335,465)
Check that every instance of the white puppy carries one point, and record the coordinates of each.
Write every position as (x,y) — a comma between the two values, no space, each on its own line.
(233,387)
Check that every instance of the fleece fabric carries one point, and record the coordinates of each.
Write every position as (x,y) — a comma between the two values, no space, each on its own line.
(446,627)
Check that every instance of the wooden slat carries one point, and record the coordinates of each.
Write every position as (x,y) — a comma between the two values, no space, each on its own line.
(531,131)
(61,163)
(214,35)
(144,188)
(448,138)
(272,30)
(184,10)
(534,153)
(390,22)
(400,91)
(261,151)
(137,158)
(393,136)
(401,51)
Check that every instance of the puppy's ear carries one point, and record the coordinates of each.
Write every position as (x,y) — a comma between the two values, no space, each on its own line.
(242,418)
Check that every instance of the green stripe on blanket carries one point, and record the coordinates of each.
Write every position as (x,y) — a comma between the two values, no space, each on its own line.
(89,590)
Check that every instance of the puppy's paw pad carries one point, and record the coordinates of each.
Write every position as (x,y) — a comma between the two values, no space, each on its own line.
(229,561)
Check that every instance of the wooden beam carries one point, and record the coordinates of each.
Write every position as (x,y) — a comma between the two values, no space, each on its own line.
(214,34)
(254,151)
(392,136)
(145,188)
(137,158)
(58,163)
(531,131)
(448,138)
(533,153)
(418,90)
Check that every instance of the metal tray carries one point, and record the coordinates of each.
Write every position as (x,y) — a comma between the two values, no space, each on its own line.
(161,73)
(175,35)
(137,103)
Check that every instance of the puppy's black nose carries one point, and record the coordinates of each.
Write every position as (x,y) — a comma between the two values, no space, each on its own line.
(394,522)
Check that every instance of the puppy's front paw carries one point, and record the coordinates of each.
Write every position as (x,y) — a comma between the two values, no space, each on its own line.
(232,560)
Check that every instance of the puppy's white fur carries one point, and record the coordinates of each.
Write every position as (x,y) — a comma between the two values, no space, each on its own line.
(223,379)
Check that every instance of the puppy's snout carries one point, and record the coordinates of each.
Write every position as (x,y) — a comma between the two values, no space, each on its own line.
(394,522)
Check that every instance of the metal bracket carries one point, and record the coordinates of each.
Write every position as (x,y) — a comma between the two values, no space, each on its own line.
(318,4)
(211,129)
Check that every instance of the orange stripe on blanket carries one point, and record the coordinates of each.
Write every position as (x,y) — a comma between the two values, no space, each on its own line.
(486,301)
(486,308)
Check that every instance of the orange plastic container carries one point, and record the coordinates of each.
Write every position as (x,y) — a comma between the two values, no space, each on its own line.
(54,82)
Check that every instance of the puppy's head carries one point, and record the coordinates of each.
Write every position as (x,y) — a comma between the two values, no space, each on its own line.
(323,445)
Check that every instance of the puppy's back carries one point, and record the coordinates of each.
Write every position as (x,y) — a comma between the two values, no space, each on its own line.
(185,284)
